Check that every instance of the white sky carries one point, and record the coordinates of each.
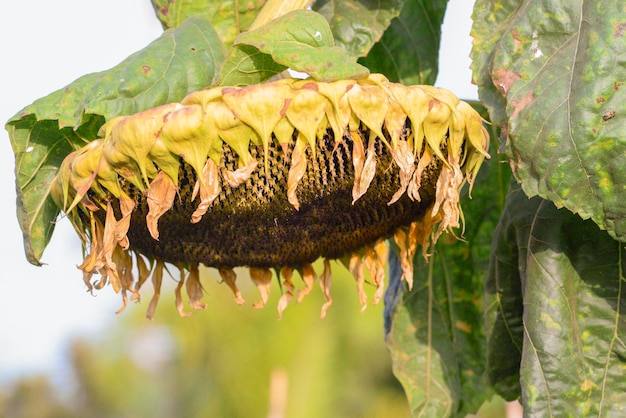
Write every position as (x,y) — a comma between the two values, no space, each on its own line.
(45,46)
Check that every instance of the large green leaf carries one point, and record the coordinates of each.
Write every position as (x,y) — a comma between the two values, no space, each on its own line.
(436,331)
(408,52)
(229,18)
(569,276)
(180,61)
(553,72)
(300,40)
(358,24)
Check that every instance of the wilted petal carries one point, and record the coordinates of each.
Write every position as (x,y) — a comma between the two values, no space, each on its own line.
(405,254)
(296,171)
(121,228)
(108,246)
(326,285)
(229,277)
(308,276)
(364,171)
(178,301)
(241,175)
(157,280)
(357,270)
(194,288)
(210,188)
(160,197)
(262,279)
(288,288)
(375,259)
(405,160)
(416,182)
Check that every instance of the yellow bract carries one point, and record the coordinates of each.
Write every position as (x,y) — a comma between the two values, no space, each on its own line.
(417,125)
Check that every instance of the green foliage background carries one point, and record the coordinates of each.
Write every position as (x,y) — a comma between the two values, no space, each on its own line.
(549,329)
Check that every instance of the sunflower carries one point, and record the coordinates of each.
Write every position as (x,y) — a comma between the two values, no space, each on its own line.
(271,177)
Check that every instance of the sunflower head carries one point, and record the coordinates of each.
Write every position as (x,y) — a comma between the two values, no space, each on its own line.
(271,176)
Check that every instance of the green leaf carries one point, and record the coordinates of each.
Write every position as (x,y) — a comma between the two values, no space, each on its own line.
(180,61)
(408,52)
(302,40)
(229,18)
(436,331)
(554,73)
(246,65)
(358,24)
(569,279)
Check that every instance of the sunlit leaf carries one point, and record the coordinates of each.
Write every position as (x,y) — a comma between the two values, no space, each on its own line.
(358,24)
(246,65)
(408,52)
(229,18)
(42,134)
(301,40)
(553,72)
(570,279)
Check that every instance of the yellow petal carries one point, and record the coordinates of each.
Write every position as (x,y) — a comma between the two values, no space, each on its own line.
(306,112)
(231,130)
(260,106)
(435,126)
(185,135)
(339,115)
(370,105)
(414,101)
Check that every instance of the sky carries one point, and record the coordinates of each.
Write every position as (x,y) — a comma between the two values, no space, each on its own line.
(45,46)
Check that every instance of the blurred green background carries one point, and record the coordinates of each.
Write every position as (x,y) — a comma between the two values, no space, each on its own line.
(222,362)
